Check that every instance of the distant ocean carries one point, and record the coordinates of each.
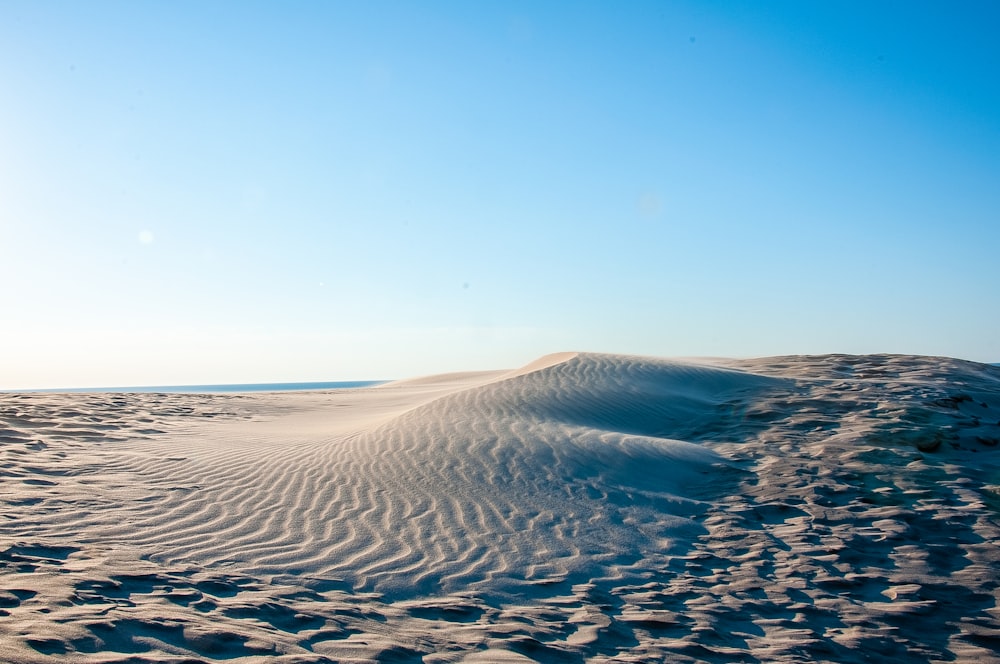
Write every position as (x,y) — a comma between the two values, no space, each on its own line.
(236,387)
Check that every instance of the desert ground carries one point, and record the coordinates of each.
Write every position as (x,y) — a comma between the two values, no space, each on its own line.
(584,508)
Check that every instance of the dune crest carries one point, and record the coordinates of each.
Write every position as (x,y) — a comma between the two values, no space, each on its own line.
(543,362)
(584,507)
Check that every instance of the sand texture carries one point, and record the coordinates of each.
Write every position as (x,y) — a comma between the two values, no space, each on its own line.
(585,508)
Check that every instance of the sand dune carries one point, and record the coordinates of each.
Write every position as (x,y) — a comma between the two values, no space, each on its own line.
(583,508)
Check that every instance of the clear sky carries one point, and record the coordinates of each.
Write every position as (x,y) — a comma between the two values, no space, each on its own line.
(282,191)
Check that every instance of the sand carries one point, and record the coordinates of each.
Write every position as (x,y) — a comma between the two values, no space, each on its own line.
(585,508)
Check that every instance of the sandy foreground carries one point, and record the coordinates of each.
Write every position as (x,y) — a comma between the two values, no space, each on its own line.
(585,508)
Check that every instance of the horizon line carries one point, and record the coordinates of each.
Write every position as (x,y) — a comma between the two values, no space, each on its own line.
(282,386)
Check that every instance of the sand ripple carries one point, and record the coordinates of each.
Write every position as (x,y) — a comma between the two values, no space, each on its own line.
(527,479)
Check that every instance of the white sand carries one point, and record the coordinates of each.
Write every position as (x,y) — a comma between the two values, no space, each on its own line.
(584,508)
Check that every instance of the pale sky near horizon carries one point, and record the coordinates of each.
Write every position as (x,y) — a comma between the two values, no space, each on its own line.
(212,192)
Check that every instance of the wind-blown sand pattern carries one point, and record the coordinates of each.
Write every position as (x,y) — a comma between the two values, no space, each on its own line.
(586,508)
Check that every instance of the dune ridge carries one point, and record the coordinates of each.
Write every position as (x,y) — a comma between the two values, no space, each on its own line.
(583,508)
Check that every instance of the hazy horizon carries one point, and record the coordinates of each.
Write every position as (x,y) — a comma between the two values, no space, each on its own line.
(251,192)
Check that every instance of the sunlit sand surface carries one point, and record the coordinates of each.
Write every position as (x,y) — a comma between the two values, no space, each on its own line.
(585,508)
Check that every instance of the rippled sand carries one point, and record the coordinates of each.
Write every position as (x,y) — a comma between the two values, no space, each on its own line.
(584,508)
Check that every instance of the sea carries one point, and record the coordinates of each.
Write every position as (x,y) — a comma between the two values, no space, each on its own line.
(226,388)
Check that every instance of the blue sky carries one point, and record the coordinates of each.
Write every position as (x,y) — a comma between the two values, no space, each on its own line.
(249,191)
